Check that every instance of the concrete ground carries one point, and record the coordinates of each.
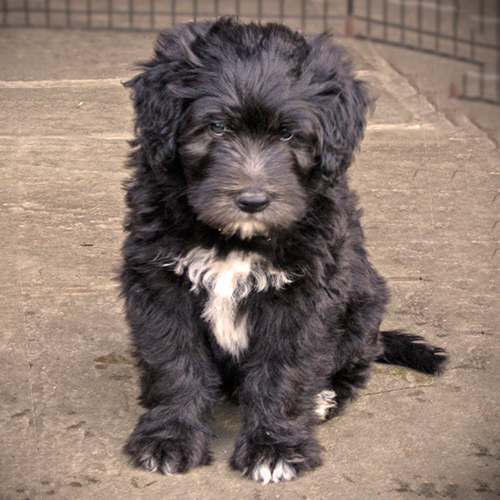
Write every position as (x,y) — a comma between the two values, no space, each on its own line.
(431,194)
(432,77)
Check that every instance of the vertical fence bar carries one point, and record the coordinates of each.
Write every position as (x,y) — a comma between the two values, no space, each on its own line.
(325,13)
(350,28)
(89,14)
(369,18)
(384,16)
(282,10)
(438,27)
(481,82)
(472,44)
(455,28)
(238,8)
(216,8)
(464,85)
(259,10)
(152,16)
(130,13)
(173,11)
(47,13)
(26,13)
(303,15)
(498,50)
(402,15)
(419,23)
(481,16)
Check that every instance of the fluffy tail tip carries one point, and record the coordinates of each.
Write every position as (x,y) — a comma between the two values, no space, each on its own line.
(413,352)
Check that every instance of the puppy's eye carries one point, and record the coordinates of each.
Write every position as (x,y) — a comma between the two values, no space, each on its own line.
(285,132)
(218,127)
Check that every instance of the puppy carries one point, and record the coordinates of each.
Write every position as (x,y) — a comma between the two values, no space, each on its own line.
(245,272)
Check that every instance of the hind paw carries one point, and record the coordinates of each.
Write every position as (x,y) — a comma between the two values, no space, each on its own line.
(326,404)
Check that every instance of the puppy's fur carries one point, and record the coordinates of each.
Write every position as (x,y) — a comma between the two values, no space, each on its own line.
(245,272)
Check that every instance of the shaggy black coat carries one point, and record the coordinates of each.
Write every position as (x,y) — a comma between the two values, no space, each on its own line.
(244,270)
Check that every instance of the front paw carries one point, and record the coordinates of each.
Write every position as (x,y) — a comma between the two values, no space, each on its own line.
(272,471)
(275,462)
(168,456)
(171,449)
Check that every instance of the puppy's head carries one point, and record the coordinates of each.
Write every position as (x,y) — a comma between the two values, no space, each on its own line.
(254,119)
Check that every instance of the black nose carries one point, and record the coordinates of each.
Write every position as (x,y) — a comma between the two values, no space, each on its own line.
(252,201)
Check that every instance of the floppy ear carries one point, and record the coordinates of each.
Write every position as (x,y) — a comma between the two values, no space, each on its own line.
(158,107)
(341,102)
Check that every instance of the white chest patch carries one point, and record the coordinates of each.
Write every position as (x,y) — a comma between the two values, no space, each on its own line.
(228,281)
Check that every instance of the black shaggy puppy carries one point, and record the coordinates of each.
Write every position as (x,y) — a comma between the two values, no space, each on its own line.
(245,272)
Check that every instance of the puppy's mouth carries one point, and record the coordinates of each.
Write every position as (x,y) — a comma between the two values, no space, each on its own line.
(246,229)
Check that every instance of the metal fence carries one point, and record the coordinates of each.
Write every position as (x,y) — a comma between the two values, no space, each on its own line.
(464,30)
(153,15)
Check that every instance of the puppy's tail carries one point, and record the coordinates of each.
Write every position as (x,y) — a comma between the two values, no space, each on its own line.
(413,352)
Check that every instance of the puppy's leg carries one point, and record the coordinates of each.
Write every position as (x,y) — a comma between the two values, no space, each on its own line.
(277,439)
(179,385)
(278,399)
(345,384)
(357,344)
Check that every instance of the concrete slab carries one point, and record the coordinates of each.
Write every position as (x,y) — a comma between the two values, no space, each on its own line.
(430,190)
